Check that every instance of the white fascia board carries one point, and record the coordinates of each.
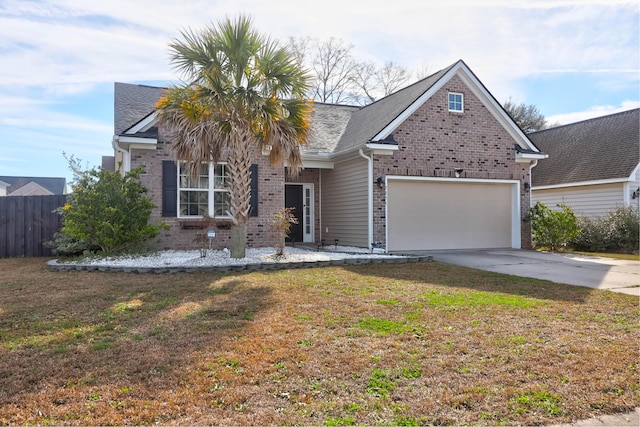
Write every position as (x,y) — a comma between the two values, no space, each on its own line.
(316,164)
(581,184)
(144,124)
(382,149)
(127,141)
(529,157)
(145,146)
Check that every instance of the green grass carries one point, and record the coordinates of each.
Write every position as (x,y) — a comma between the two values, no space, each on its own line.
(382,326)
(380,383)
(413,344)
(448,300)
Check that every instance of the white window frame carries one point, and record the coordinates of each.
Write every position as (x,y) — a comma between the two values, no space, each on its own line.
(211,189)
(455,102)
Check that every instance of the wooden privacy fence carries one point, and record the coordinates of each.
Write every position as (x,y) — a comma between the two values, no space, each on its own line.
(26,222)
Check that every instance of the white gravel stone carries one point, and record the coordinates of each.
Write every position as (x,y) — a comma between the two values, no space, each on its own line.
(215,258)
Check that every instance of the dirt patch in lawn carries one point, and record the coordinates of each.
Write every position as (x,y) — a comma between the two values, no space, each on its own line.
(408,344)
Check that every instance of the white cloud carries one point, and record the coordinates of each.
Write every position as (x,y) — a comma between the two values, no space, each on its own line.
(596,111)
(53,51)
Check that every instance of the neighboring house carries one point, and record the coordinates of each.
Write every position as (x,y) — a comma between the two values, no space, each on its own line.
(593,165)
(31,186)
(436,165)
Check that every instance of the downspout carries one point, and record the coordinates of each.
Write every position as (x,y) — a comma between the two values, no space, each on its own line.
(534,163)
(320,203)
(126,166)
(369,196)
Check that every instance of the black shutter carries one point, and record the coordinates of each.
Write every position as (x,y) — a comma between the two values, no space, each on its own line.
(254,190)
(169,188)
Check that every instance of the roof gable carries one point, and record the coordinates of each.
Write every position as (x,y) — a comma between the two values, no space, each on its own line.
(376,121)
(52,185)
(31,189)
(602,148)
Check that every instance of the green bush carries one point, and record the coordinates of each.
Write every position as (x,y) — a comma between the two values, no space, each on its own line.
(552,229)
(107,211)
(619,231)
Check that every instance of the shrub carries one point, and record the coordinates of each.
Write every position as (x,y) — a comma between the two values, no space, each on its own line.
(552,229)
(281,223)
(619,231)
(107,211)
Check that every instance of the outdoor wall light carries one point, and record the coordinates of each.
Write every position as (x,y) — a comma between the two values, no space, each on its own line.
(458,172)
(635,194)
(380,182)
(527,186)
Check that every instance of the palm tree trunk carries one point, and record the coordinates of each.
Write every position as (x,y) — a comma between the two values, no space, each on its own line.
(239,164)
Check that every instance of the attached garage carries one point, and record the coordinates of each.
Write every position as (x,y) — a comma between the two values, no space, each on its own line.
(443,213)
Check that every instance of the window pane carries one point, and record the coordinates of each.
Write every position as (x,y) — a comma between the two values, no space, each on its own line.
(201,181)
(221,177)
(221,201)
(455,102)
(194,203)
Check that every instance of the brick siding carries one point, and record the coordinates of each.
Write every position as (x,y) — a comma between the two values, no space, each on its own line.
(433,142)
(259,233)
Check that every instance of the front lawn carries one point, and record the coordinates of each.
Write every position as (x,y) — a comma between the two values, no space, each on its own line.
(406,344)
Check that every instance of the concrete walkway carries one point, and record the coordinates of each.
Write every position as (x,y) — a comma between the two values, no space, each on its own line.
(629,419)
(621,276)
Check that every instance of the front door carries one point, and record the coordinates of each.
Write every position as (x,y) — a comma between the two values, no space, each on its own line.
(300,198)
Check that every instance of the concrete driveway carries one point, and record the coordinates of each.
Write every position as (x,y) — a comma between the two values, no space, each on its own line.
(594,272)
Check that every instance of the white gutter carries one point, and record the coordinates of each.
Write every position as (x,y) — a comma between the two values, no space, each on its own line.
(369,196)
(126,160)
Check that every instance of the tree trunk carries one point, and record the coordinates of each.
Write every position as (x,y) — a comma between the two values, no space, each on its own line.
(239,164)
(238,240)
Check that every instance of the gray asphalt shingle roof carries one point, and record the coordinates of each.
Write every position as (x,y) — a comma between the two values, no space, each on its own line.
(54,185)
(327,126)
(334,128)
(597,149)
(133,103)
(368,121)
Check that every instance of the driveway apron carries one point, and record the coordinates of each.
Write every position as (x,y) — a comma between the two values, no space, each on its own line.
(621,276)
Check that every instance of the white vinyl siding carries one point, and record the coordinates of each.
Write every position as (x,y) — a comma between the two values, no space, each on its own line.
(345,203)
(586,200)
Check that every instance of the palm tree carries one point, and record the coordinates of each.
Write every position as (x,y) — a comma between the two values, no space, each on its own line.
(244,91)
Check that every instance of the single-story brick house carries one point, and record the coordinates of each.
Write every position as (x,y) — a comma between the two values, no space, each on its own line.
(436,165)
(593,165)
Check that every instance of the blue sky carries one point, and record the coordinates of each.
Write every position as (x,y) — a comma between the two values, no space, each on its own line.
(574,59)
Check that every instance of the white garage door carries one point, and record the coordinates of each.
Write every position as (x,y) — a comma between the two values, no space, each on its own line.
(450,215)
